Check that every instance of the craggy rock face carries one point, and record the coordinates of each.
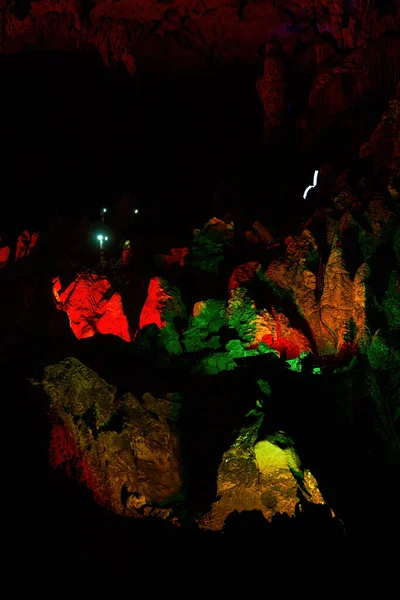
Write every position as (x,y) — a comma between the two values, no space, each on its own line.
(26,242)
(125,450)
(92,307)
(4,256)
(262,475)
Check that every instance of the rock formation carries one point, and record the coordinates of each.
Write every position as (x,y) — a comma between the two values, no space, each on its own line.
(271,88)
(4,256)
(26,242)
(124,449)
(92,306)
(162,307)
(264,475)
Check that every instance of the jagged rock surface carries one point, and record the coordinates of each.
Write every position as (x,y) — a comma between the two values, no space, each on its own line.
(92,306)
(262,475)
(26,242)
(124,449)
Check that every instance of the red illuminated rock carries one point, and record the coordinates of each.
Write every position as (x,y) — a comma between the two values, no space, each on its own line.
(163,303)
(65,454)
(164,308)
(271,88)
(25,244)
(261,325)
(176,257)
(324,52)
(124,449)
(4,256)
(92,307)
(127,257)
(243,274)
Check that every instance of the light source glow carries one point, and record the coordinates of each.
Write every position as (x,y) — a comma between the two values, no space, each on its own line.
(136,211)
(315,180)
(100,237)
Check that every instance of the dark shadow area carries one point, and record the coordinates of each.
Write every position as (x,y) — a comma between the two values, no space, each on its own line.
(382,263)
(352,254)
(69,119)
(207,424)
(318,228)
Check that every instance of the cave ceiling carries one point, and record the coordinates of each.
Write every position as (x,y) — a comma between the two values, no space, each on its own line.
(188,34)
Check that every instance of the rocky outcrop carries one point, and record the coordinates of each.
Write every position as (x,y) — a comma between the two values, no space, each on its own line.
(323,294)
(372,69)
(271,87)
(127,257)
(384,146)
(264,475)
(163,308)
(92,306)
(4,256)
(26,242)
(204,326)
(257,327)
(262,233)
(176,257)
(208,245)
(124,449)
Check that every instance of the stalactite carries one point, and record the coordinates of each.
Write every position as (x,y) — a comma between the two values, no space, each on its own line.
(115,40)
(271,88)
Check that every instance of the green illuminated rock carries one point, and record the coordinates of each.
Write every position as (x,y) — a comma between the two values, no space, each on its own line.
(242,315)
(296,364)
(202,332)
(383,356)
(169,338)
(391,301)
(223,361)
(264,387)
(208,245)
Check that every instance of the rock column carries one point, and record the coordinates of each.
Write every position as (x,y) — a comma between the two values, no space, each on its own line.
(271,88)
